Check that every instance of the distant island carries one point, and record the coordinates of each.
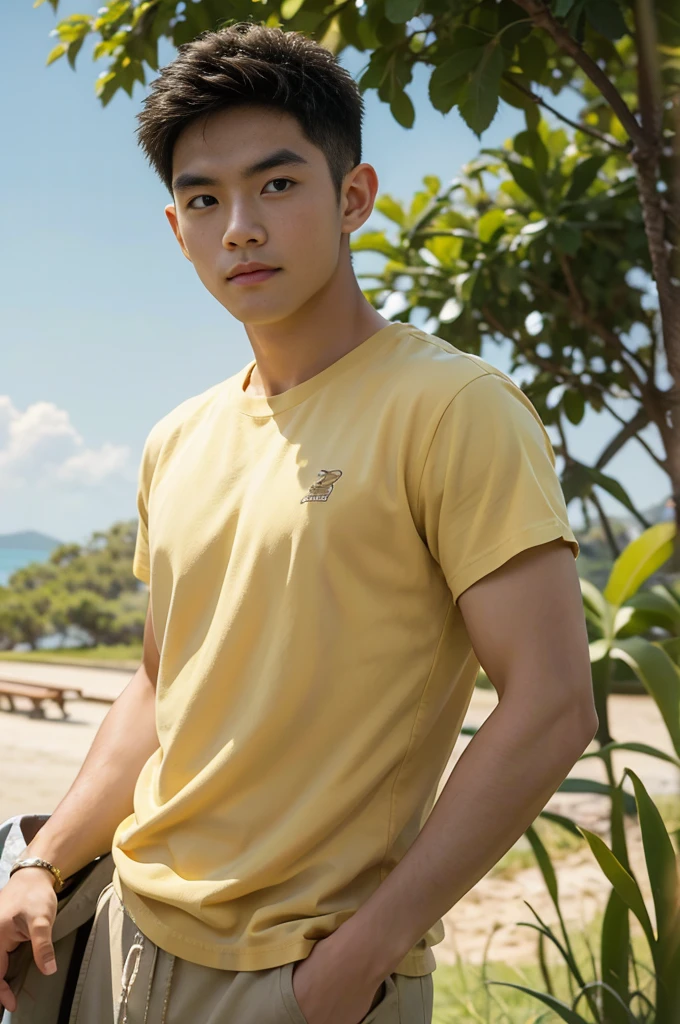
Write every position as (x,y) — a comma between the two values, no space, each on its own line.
(29,540)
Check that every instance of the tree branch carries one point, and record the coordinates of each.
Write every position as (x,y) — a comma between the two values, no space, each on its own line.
(548,365)
(661,463)
(646,159)
(606,526)
(609,140)
(649,79)
(610,339)
(542,18)
(630,429)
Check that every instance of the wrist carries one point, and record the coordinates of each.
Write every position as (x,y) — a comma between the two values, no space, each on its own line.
(34,876)
(42,865)
(366,950)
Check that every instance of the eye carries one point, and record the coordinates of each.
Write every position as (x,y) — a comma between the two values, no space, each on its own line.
(192,201)
(278,185)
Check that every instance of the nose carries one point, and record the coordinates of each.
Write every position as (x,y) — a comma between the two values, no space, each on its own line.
(242,229)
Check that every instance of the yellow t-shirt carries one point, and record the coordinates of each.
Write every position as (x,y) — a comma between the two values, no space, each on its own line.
(306,553)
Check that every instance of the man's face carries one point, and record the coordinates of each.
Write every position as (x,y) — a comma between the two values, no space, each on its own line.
(250,188)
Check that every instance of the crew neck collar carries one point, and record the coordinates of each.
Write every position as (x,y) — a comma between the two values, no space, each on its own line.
(263,405)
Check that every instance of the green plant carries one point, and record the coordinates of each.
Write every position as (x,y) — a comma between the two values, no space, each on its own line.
(612,1001)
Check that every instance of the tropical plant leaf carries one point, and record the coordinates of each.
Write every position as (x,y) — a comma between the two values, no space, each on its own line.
(572,785)
(556,1005)
(544,863)
(638,748)
(594,600)
(614,941)
(623,882)
(641,558)
(660,676)
(660,860)
(566,823)
(665,611)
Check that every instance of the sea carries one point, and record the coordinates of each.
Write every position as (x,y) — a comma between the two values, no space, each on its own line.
(12,559)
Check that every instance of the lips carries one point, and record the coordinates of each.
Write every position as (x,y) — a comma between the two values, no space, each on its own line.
(253,276)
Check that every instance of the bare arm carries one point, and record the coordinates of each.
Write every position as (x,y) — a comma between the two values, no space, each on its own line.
(83,824)
(525,622)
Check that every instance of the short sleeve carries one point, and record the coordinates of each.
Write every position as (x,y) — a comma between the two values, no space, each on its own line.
(141,562)
(489,488)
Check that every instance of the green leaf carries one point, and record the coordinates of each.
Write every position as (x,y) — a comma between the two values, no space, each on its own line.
(489,223)
(566,823)
(660,860)
(656,607)
(605,16)
(376,70)
(599,649)
(578,481)
(583,175)
(624,883)
(480,104)
(672,648)
(531,144)
(638,748)
(528,181)
(375,241)
(659,675)
(614,940)
(73,51)
(558,1007)
(400,11)
(592,597)
(56,53)
(289,8)
(402,109)
(532,56)
(640,559)
(391,209)
(544,863)
(442,80)
(574,405)
(566,238)
(562,8)
(573,785)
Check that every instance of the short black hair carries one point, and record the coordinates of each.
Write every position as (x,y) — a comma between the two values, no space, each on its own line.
(247,64)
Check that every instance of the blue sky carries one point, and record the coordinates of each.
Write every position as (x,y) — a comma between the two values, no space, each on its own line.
(104,326)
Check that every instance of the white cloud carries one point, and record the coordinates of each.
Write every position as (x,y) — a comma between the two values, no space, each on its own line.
(40,446)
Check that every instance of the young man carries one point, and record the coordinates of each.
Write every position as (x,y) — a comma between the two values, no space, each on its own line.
(335,538)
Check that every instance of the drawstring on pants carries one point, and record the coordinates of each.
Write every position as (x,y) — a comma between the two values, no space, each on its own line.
(130,971)
(130,968)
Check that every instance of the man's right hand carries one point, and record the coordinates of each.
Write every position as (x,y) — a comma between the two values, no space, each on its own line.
(28,908)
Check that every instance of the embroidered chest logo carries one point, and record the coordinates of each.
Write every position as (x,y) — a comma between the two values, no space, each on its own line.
(322,487)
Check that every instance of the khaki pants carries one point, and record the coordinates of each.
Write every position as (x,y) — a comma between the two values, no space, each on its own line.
(126,979)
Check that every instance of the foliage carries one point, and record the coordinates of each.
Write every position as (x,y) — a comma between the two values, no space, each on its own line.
(90,589)
(544,262)
(620,622)
(574,216)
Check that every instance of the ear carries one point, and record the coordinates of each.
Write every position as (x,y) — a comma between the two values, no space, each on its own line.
(359,190)
(171,214)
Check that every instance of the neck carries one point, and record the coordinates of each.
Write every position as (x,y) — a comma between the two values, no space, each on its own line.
(332,323)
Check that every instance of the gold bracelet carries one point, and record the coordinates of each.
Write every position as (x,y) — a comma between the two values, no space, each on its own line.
(38,862)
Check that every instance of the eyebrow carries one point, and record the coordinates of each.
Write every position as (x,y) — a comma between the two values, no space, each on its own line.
(281,158)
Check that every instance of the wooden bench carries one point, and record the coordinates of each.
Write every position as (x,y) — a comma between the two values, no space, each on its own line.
(37,694)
